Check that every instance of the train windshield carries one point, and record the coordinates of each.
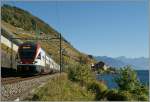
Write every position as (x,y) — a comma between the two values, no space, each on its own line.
(27,52)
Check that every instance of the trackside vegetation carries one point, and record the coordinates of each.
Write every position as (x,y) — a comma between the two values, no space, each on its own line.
(79,83)
(62,89)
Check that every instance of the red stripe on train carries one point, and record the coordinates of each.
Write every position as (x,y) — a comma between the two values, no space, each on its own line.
(27,61)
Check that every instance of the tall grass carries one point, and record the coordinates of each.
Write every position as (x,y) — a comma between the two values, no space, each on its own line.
(62,89)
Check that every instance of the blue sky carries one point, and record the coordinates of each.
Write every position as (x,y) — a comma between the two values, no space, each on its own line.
(98,28)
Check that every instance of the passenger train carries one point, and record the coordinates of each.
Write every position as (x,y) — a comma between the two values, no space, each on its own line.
(34,60)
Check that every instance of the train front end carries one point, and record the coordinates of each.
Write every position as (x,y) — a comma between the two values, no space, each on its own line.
(26,58)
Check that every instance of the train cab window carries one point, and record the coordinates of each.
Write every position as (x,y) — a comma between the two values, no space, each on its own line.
(27,51)
(39,56)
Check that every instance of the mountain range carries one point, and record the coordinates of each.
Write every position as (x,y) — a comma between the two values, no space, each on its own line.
(140,63)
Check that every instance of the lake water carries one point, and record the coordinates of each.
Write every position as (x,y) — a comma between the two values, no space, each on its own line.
(143,76)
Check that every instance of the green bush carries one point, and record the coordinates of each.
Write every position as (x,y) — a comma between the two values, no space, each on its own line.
(72,73)
(99,88)
(141,93)
(143,97)
(112,95)
(125,95)
(81,73)
(115,95)
(127,79)
(129,86)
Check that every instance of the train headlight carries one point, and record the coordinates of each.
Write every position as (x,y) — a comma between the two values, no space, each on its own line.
(19,62)
(34,62)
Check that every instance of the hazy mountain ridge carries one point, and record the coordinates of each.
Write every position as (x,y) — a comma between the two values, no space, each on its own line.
(140,63)
(136,63)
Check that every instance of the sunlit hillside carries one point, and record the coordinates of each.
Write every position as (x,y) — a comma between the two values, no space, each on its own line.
(24,25)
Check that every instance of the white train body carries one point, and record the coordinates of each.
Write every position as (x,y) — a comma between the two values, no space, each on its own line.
(32,58)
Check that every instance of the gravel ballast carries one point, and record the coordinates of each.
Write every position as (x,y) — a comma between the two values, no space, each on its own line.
(20,90)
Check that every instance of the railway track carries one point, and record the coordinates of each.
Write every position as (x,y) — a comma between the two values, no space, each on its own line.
(11,80)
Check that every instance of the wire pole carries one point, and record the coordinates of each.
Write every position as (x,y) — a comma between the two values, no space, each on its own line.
(60,55)
(11,56)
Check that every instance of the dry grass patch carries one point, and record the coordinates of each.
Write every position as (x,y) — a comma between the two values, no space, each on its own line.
(61,89)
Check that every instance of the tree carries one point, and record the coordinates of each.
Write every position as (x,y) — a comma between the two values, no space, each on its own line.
(127,80)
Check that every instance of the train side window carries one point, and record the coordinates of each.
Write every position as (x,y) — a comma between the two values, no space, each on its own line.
(39,56)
